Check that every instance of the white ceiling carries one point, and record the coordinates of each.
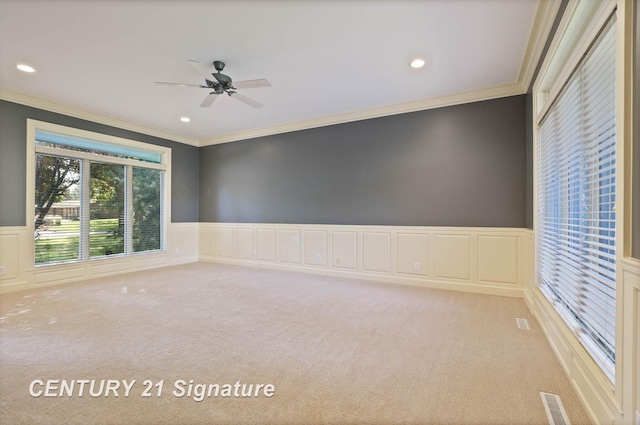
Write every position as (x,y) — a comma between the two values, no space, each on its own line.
(322,57)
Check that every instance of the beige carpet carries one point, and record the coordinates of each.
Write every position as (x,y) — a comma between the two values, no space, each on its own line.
(337,351)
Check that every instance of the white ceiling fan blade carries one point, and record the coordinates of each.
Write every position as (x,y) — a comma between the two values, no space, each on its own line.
(178,84)
(208,101)
(251,84)
(247,100)
(202,70)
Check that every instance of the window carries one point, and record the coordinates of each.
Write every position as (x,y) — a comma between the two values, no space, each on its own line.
(94,198)
(576,189)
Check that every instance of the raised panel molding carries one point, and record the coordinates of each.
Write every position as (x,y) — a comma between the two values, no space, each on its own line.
(345,249)
(376,252)
(315,247)
(185,240)
(206,241)
(498,259)
(452,256)
(289,246)
(631,337)
(266,244)
(437,257)
(412,254)
(9,256)
(224,242)
(244,243)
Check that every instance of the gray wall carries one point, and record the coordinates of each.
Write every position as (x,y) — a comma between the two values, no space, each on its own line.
(636,141)
(462,165)
(13,135)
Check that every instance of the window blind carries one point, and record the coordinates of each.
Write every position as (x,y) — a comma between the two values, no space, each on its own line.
(576,189)
(99,147)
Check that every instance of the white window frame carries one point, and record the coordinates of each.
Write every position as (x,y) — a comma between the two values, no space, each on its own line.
(581,23)
(165,165)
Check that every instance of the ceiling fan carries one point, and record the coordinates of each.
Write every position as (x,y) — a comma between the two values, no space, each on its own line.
(221,83)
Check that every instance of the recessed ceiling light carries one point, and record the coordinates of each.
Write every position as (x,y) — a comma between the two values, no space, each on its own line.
(417,63)
(185,119)
(25,68)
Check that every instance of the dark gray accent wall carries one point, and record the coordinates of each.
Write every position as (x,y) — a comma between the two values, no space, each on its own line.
(13,135)
(461,165)
(635,223)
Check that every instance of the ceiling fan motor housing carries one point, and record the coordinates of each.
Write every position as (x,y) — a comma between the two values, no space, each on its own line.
(218,65)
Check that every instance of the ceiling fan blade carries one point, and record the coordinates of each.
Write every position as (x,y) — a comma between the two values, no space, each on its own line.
(202,70)
(247,100)
(179,84)
(208,101)
(251,84)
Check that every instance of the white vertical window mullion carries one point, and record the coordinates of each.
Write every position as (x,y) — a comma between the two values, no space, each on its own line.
(85,208)
(128,207)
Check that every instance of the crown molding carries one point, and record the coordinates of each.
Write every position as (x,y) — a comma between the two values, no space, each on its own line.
(401,108)
(382,111)
(50,106)
(545,16)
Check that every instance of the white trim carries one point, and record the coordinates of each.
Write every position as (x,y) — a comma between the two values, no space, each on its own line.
(581,23)
(591,385)
(99,137)
(181,242)
(382,111)
(545,16)
(72,111)
(472,259)
(31,149)
(543,21)
(97,157)
(604,402)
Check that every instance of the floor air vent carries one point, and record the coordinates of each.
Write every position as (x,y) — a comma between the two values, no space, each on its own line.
(555,411)
(523,323)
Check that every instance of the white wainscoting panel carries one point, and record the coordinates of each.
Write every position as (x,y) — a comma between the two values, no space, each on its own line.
(315,247)
(451,255)
(9,256)
(16,255)
(412,254)
(206,241)
(266,244)
(376,252)
(441,257)
(184,240)
(244,243)
(345,249)
(224,242)
(631,337)
(498,259)
(289,246)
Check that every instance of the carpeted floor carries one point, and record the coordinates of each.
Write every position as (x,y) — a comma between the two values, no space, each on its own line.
(336,351)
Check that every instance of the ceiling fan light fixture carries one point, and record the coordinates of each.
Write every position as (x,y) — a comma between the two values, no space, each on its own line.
(25,68)
(185,119)
(417,63)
